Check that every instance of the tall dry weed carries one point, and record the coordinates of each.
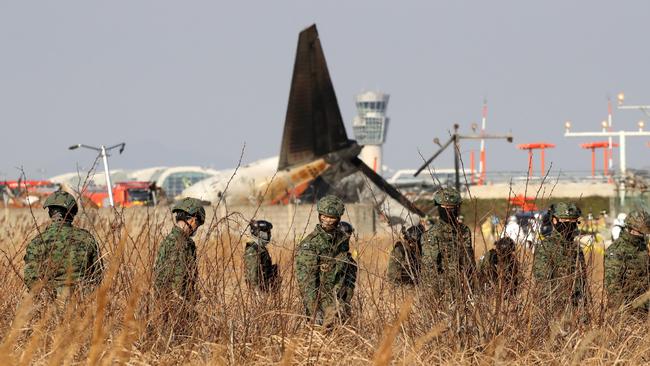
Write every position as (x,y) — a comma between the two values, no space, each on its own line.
(118,324)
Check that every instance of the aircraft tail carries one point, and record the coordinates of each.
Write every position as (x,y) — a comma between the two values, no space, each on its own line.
(313,125)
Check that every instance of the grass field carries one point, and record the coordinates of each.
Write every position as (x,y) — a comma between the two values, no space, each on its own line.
(119,324)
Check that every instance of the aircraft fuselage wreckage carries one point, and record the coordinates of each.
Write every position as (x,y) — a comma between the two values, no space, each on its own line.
(316,156)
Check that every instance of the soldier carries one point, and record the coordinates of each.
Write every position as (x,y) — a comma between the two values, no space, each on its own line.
(499,266)
(62,256)
(404,262)
(175,270)
(348,268)
(626,261)
(559,263)
(325,271)
(261,273)
(447,246)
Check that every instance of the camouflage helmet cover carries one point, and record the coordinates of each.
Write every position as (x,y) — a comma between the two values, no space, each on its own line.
(331,206)
(566,210)
(447,197)
(639,221)
(61,199)
(192,206)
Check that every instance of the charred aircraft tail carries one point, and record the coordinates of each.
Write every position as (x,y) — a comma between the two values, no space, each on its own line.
(314,128)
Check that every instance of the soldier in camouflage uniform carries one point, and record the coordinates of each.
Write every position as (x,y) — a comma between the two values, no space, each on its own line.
(175,270)
(404,262)
(447,252)
(626,261)
(62,256)
(261,273)
(559,264)
(175,273)
(499,266)
(325,270)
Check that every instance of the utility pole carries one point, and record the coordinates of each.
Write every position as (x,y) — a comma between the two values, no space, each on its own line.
(103,153)
(455,139)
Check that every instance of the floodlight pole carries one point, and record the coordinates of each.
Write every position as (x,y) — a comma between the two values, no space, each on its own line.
(455,139)
(103,153)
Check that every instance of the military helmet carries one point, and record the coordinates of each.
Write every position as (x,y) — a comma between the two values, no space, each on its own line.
(414,233)
(331,206)
(61,199)
(566,210)
(192,206)
(639,221)
(505,244)
(447,197)
(260,225)
(346,227)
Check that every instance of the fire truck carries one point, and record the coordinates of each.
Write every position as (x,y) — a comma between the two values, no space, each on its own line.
(125,194)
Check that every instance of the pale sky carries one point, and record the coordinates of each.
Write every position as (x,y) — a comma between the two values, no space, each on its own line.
(189,82)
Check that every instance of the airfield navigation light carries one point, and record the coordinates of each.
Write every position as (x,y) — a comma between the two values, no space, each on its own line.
(567,126)
(102,150)
(641,125)
(621,98)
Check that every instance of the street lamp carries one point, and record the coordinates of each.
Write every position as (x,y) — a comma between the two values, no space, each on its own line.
(102,152)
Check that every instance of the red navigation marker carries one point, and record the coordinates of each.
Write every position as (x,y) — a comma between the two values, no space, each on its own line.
(535,146)
(599,145)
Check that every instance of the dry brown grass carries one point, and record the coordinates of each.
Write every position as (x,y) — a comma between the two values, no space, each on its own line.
(118,323)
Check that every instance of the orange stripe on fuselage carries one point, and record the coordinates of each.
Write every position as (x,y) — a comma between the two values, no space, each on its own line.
(294,182)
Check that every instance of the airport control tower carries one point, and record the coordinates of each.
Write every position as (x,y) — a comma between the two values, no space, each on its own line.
(370,125)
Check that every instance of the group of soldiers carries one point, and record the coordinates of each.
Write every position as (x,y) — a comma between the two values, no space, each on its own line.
(64,257)
(558,266)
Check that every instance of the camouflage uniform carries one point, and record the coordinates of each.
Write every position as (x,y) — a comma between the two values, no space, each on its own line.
(175,269)
(261,273)
(499,267)
(404,262)
(626,261)
(62,254)
(175,274)
(447,250)
(559,263)
(325,270)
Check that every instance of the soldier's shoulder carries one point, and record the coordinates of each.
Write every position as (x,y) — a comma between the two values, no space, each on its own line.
(434,229)
(464,230)
(82,234)
(310,240)
(252,247)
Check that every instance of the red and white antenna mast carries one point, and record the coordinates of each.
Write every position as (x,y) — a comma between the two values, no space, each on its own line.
(481,168)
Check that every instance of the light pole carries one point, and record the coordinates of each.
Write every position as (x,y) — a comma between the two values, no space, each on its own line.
(103,153)
(455,139)
(643,108)
(622,136)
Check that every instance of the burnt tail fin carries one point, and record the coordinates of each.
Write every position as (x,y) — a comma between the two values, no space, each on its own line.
(313,125)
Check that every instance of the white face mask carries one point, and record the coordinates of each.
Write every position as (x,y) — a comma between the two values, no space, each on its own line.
(264,235)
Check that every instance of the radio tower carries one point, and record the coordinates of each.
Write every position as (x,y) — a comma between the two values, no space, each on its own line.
(481,163)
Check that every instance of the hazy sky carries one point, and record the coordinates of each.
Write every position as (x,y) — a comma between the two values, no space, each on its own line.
(189,82)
